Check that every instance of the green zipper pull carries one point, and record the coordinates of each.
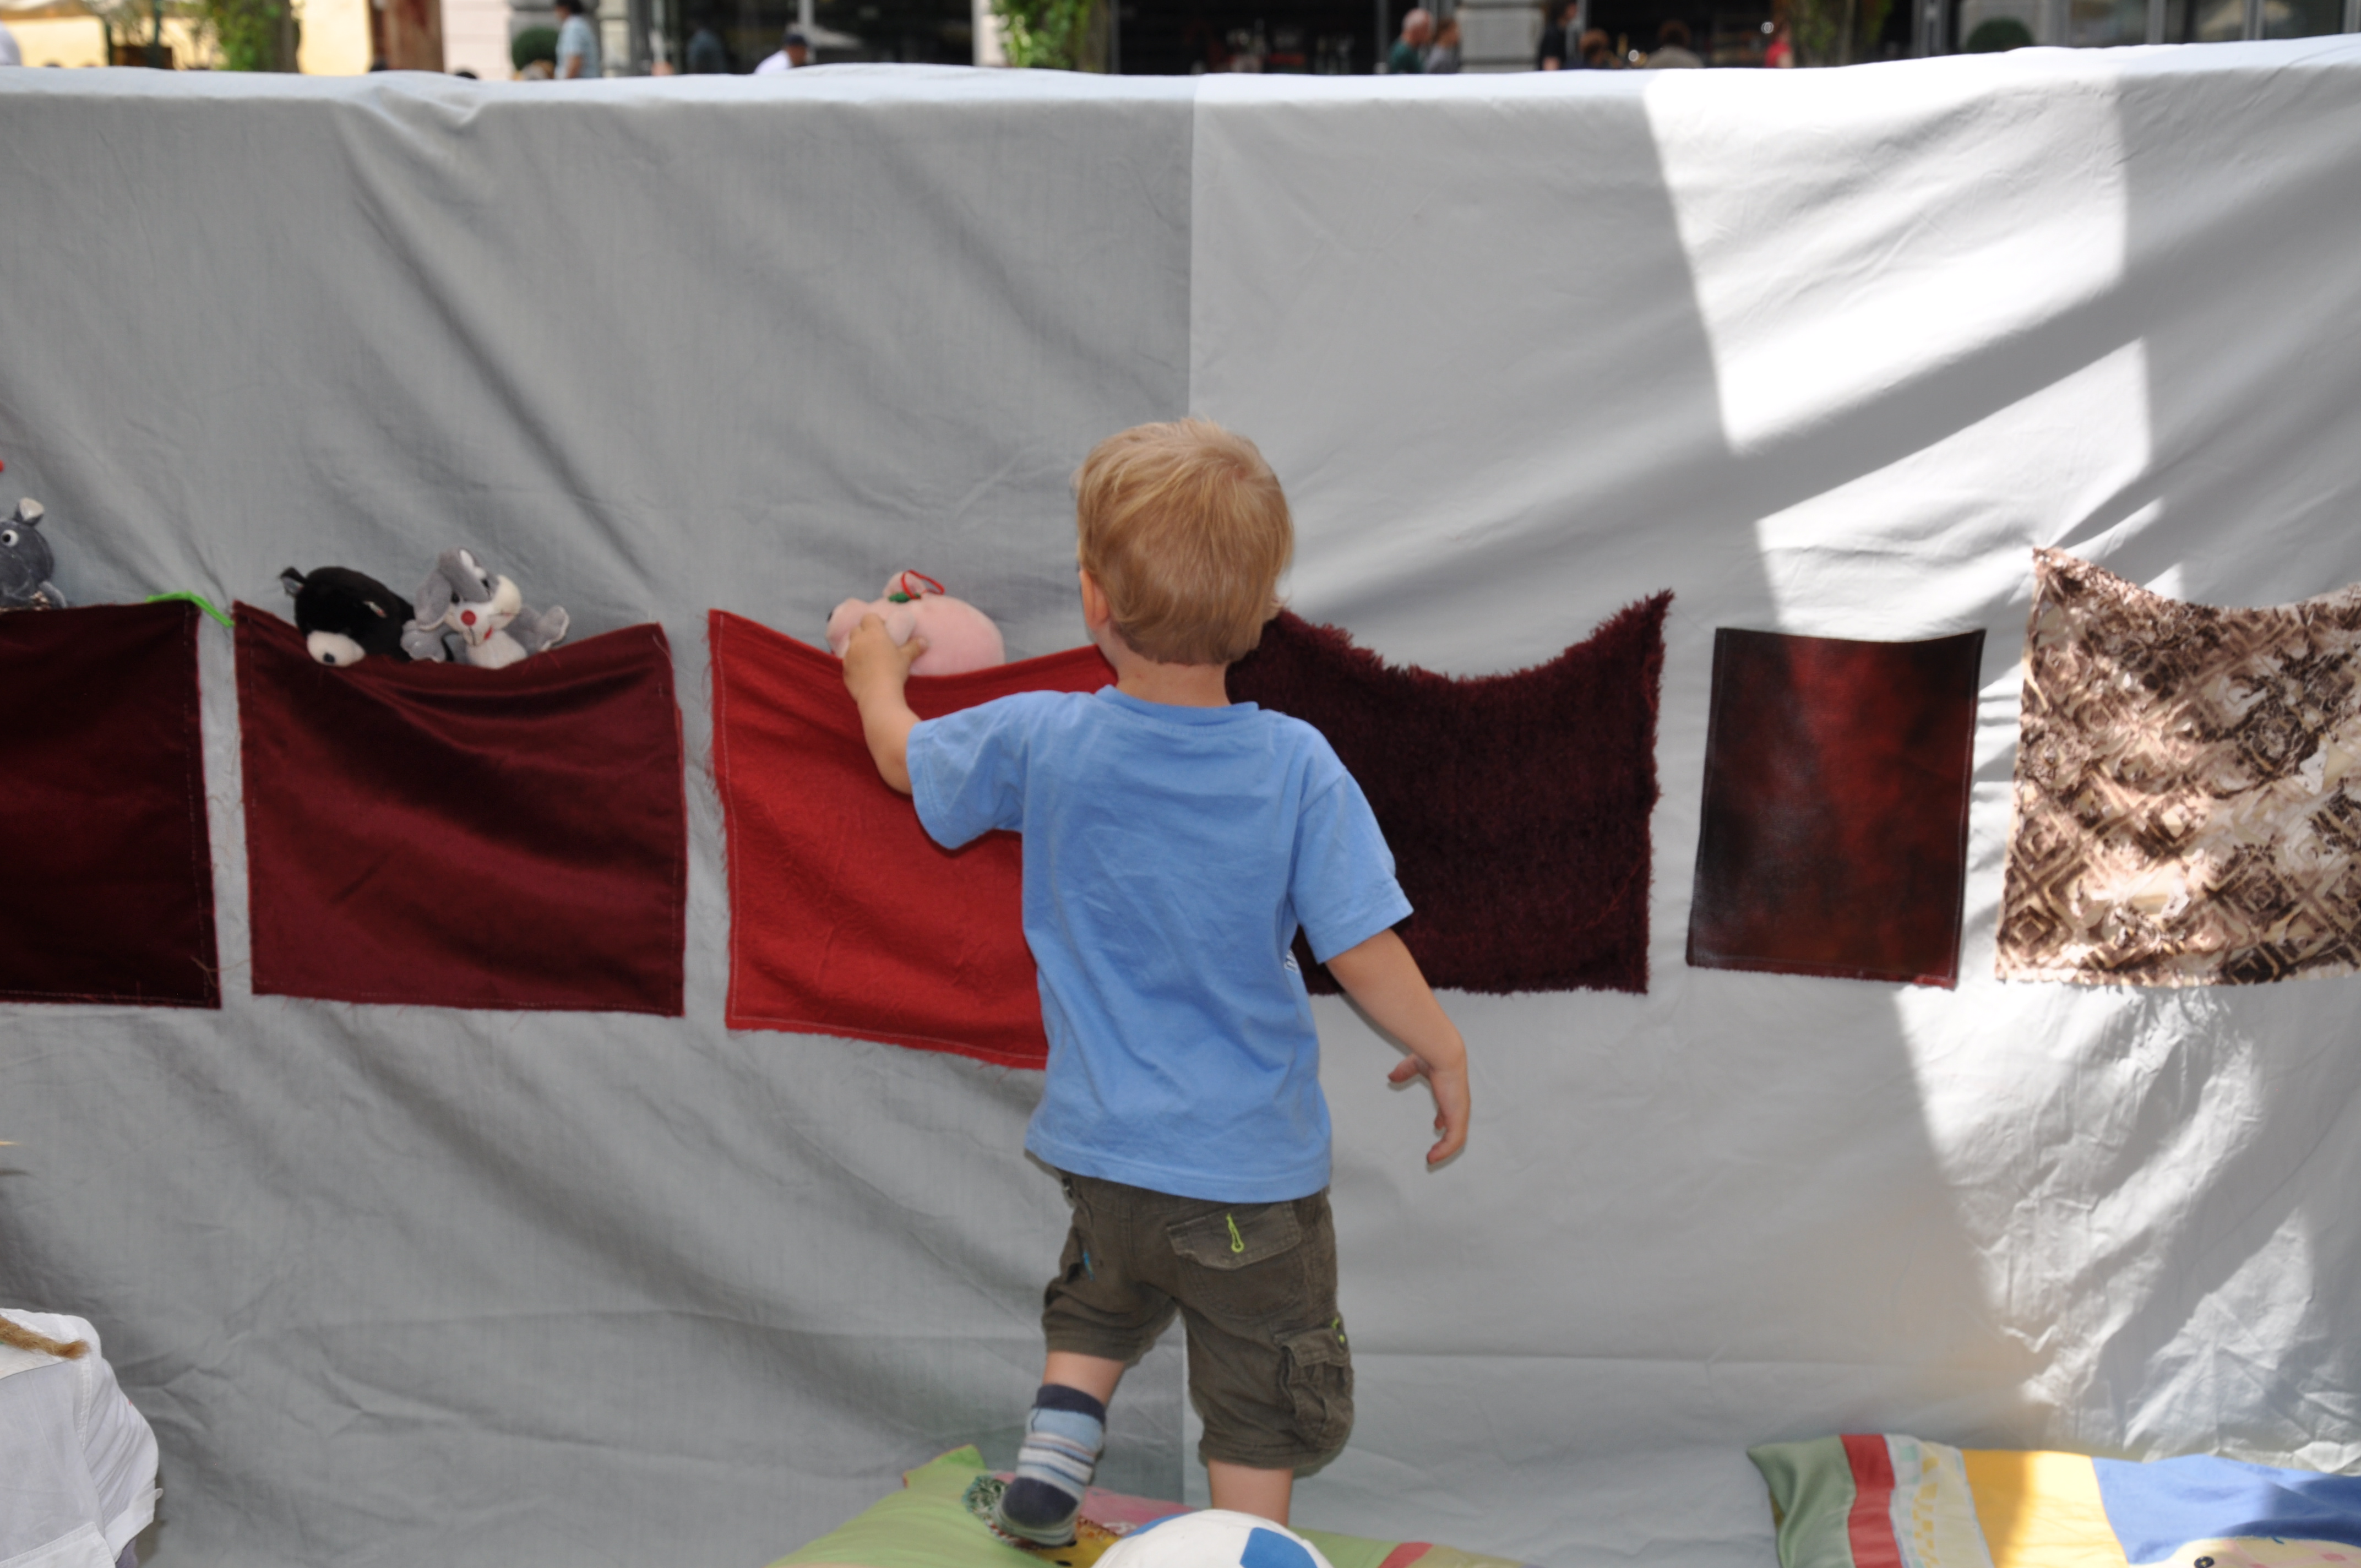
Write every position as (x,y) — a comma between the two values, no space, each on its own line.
(1237,1241)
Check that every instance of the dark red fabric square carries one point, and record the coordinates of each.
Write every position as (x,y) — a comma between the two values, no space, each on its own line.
(845,919)
(1516,806)
(1835,831)
(109,894)
(451,836)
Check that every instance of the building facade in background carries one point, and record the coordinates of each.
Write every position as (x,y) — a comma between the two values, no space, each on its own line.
(1139,37)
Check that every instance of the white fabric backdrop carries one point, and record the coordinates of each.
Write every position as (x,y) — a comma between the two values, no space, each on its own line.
(1827,352)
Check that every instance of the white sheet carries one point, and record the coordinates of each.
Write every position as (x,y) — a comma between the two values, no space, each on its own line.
(1822,352)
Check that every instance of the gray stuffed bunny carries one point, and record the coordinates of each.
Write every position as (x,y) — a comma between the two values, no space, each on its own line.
(467,612)
(25,562)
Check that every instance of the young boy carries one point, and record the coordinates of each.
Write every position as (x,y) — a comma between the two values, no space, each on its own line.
(1173,842)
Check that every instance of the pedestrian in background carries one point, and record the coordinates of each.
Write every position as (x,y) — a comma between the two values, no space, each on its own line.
(9,53)
(1442,58)
(577,42)
(1558,49)
(1409,55)
(1673,52)
(794,51)
(708,55)
(1598,53)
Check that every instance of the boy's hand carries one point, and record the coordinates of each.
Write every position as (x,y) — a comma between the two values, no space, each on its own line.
(876,669)
(1450,1089)
(1381,976)
(873,655)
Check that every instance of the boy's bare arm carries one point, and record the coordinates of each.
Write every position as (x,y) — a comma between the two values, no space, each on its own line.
(1382,977)
(876,669)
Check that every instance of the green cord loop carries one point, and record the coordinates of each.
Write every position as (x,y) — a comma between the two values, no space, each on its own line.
(199,600)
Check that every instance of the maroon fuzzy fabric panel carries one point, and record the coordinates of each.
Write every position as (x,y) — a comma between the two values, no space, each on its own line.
(1516,806)
(1834,835)
(445,836)
(109,894)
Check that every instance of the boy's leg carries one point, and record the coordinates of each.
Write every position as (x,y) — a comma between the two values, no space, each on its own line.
(1244,1490)
(1063,1437)
(1269,1371)
(1099,1317)
(1093,1375)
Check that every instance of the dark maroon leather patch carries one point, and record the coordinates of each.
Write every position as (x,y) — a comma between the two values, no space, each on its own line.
(1835,831)
(1516,806)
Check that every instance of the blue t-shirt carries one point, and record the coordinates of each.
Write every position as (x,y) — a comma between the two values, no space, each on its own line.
(578,38)
(1170,855)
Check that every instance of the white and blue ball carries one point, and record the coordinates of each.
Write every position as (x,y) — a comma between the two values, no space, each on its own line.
(1212,1537)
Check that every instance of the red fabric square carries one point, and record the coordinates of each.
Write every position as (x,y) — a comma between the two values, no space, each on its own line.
(109,891)
(1834,839)
(1516,806)
(845,919)
(445,836)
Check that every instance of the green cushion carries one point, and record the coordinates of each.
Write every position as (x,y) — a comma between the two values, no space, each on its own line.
(927,1525)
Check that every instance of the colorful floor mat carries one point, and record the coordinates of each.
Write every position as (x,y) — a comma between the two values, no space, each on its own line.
(1900,1502)
(934,1522)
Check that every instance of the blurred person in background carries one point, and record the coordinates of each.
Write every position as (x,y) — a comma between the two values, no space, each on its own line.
(1673,52)
(1598,53)
(9,53)
(1558,49)
(707,54)
(1408,57)
(577,42)
(794,53)
(1443,59)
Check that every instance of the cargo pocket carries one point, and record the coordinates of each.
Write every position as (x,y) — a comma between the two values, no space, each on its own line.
(1238,1238)
(1319,1372)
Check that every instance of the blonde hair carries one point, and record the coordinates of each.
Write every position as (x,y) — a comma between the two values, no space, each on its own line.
(22,1338)
(1187,531)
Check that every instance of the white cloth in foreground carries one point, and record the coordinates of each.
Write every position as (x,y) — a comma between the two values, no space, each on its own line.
(77,1463)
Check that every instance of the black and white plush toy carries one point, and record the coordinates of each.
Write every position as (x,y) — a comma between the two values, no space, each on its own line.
(465,611)
(347,616)
(25,562)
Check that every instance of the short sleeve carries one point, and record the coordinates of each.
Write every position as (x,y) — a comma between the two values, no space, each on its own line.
(1344,890)
(121,1450)
(967,770)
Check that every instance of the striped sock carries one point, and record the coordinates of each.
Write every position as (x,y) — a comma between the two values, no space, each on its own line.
(1062,1439)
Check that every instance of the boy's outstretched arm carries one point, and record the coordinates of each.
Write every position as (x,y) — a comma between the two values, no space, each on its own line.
(1382,977)
(876,669)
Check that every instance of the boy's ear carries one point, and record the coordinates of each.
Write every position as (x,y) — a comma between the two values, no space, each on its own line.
(1096,610)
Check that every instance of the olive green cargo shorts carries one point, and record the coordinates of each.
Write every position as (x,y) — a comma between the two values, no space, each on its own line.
(1256,1285)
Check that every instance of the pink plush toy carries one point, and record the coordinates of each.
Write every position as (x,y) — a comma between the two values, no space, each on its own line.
(959,636)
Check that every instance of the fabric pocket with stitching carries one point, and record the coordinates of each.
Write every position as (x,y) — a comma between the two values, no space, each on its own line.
(1235,1238)
(1320,1385)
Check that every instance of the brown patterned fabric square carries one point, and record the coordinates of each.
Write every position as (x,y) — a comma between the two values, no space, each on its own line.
(1833,838)
(2186,787)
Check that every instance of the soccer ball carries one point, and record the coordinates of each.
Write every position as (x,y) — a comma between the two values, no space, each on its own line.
(1212,1537)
